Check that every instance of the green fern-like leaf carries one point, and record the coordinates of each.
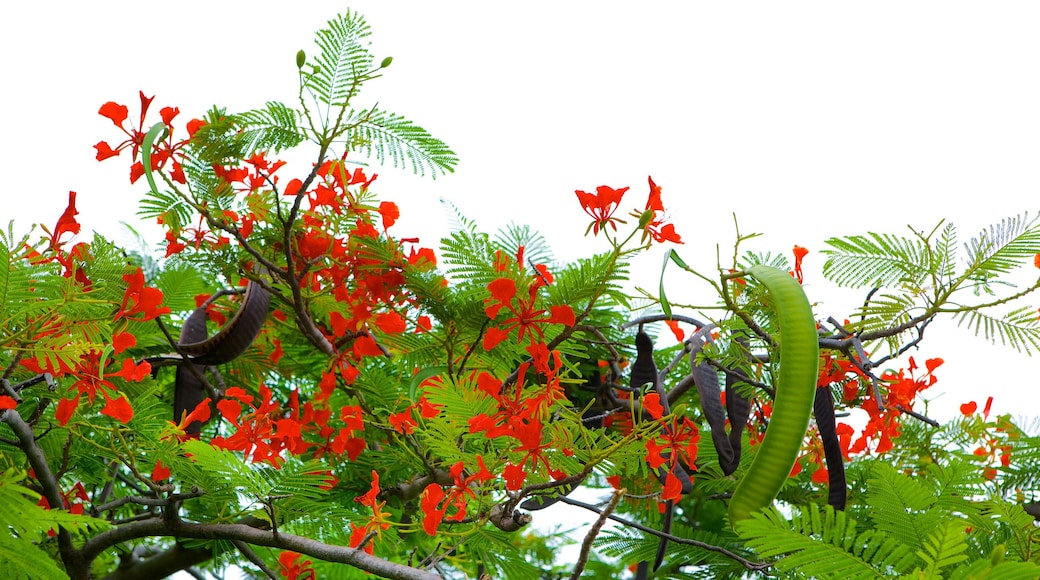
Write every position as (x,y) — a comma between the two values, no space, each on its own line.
(342,60)
(272,129)
(944,547)
(901,506)
(876,260)
(385,135)
(21,560)
(1018,526)
(1019,329)
(824,544)
(1004,246)
(167,207)
(945,254)
(536,249)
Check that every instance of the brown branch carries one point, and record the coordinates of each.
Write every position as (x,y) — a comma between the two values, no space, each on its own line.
(157,527)
(49,484)
(586,544)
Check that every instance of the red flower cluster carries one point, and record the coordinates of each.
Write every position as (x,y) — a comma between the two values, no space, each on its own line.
(883,425)
(263,433)
(164,150)
(526,318)
(677,441)
(435,502)
(379,521)
(522,415)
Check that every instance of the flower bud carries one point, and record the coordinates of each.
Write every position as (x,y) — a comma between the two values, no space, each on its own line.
(301,58)
(386,62)
(645,217)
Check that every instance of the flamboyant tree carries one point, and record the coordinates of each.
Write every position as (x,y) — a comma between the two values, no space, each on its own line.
(290,388)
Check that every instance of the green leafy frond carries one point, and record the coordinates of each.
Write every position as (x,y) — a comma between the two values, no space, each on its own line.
(1015,528)
(22,560)
(536,249)
(886,310)
(944,256)
(216,142)
(876,260)
(1004,246)
(581,280)
(996,570)
(1019,329)
(499,553)
(956,487)
(617,542)
(469,255)
(901,506)
(383,135)
(271,129)
(343,59)
(824,544)
(944,547)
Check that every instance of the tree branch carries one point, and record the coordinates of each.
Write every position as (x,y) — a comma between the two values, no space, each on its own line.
(245,533)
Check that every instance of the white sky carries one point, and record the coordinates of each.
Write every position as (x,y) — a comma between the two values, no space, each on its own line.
(806,119)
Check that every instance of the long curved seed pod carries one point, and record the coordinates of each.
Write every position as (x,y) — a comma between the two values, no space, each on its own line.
(738,409)
(707,381)
(236,335)
(823,408)
(799,355)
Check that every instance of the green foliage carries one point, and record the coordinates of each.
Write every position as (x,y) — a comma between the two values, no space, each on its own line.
(391,138)
(825,545)
(342,61)
(915,278)
(411,403)
(26,524)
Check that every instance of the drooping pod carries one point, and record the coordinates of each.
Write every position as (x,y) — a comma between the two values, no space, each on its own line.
(799,355)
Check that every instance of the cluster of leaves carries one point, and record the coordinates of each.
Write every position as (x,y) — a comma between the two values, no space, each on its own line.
(404,413)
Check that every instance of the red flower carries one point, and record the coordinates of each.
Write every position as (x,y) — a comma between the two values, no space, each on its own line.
(160,471)
(293,569)
(654,226)
(377,523)
(119,409)
(673,325)
(66,223)
(200,413)
(429,502)
(601,207)
(135,138)
(140,299)
(388,210)
(122,341)
(799,253)
(526,318)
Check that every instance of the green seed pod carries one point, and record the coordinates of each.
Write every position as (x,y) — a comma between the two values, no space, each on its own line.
(795,390)
(386,62)
(301,58)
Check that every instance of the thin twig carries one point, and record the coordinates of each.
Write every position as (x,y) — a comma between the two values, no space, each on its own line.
(586,544)
(252,557)
(753,566)
(919,416)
